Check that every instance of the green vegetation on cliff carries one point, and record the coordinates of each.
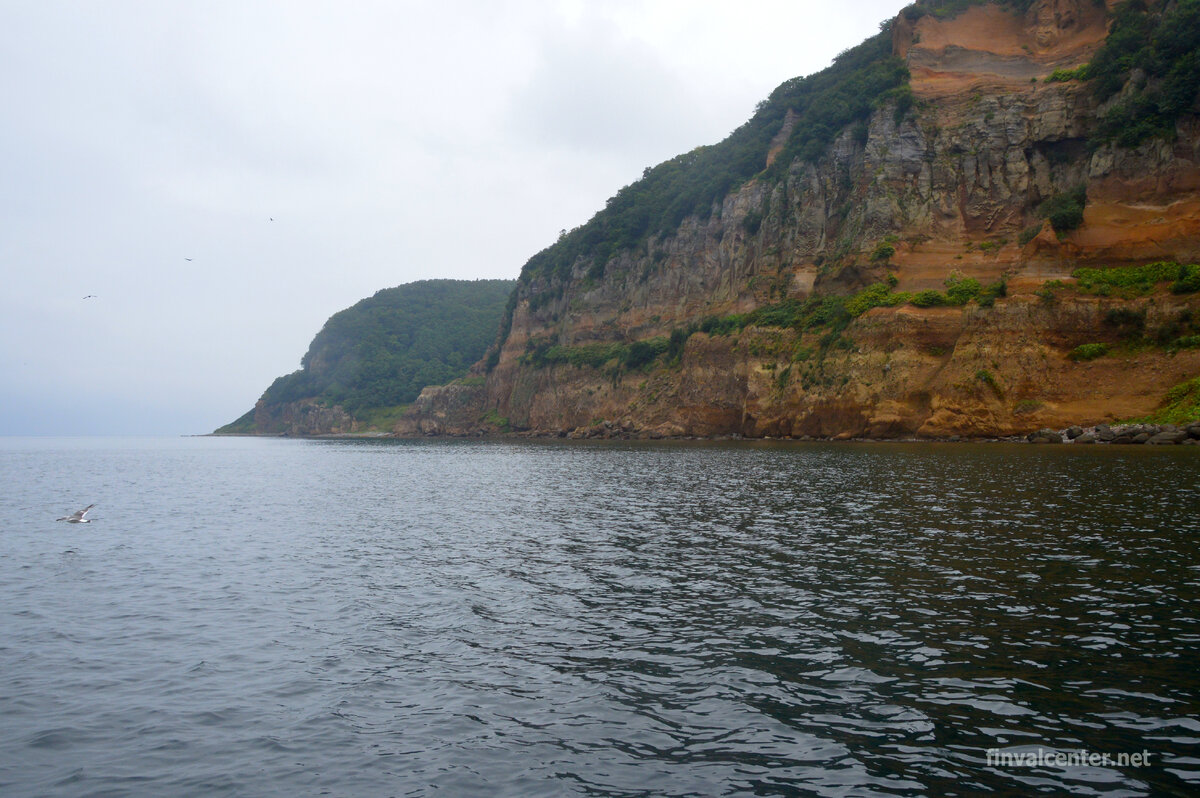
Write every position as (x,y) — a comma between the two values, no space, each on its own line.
(1130,327)
(1180,406)
(831,313)
(1064,210)
(1156,53)
(382,351)
(820,107)
(947,9)
(1130,281)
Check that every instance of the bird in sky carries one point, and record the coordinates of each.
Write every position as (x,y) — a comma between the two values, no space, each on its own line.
(90,296)
(189,260)
(77,517)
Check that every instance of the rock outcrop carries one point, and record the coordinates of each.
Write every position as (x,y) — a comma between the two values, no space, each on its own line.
(947,189)
(306,417)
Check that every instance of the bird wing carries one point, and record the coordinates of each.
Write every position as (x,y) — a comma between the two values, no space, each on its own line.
(77,515)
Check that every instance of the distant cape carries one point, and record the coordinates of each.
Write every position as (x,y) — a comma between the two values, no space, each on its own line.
(371,359)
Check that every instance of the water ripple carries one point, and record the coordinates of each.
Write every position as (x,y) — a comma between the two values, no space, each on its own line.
(275,617)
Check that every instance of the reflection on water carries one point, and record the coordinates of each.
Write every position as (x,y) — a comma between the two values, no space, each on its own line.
(269,617)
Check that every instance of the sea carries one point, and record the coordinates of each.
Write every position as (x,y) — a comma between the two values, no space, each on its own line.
(280,617)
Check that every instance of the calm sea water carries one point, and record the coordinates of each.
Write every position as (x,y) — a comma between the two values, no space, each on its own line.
(280,617)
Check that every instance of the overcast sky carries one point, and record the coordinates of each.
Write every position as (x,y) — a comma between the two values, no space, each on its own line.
(224,176)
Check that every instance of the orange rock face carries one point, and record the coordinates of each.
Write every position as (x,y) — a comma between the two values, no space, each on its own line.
(954,188)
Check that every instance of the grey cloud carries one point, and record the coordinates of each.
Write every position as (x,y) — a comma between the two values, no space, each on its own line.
(596,92)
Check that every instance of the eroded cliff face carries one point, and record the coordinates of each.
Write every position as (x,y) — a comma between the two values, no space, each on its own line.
(949,187)
(302,418)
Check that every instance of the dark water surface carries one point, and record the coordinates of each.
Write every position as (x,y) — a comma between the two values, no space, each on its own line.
(276,617)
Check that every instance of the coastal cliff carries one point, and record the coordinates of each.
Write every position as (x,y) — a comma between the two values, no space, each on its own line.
(971,256)
(370,360)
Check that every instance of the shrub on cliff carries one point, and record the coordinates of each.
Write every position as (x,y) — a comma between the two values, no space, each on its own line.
(961,290)
(722,325)
(874,296)
(1185,342)
(542,353)
(1183,402)
(884,251)
(1130,280)
(1189,280)
(643,353)
(677,342)
(634,355)
(1088,352)
(1129,322)
(929,299)
(991,292)
(783,314)
(1064,75)
(1065,211)
(989,379)
(1180,406)
(1029,233)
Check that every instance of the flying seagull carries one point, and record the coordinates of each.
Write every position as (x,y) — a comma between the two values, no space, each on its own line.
(90,296)
(188,259)
(78,516)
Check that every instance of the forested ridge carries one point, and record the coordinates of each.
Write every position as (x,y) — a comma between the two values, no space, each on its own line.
(383,350)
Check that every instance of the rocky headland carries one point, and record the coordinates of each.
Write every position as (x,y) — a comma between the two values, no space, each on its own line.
(977,254)
(982,223)
(370,360)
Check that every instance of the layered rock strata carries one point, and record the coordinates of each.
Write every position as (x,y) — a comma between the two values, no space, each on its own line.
(950,188)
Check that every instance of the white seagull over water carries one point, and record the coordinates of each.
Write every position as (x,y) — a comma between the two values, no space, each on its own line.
(78,516)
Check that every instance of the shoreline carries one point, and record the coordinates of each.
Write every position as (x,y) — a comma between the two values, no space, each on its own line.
(1187,434)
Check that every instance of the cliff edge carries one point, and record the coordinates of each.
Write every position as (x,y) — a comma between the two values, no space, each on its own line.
(999,240)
